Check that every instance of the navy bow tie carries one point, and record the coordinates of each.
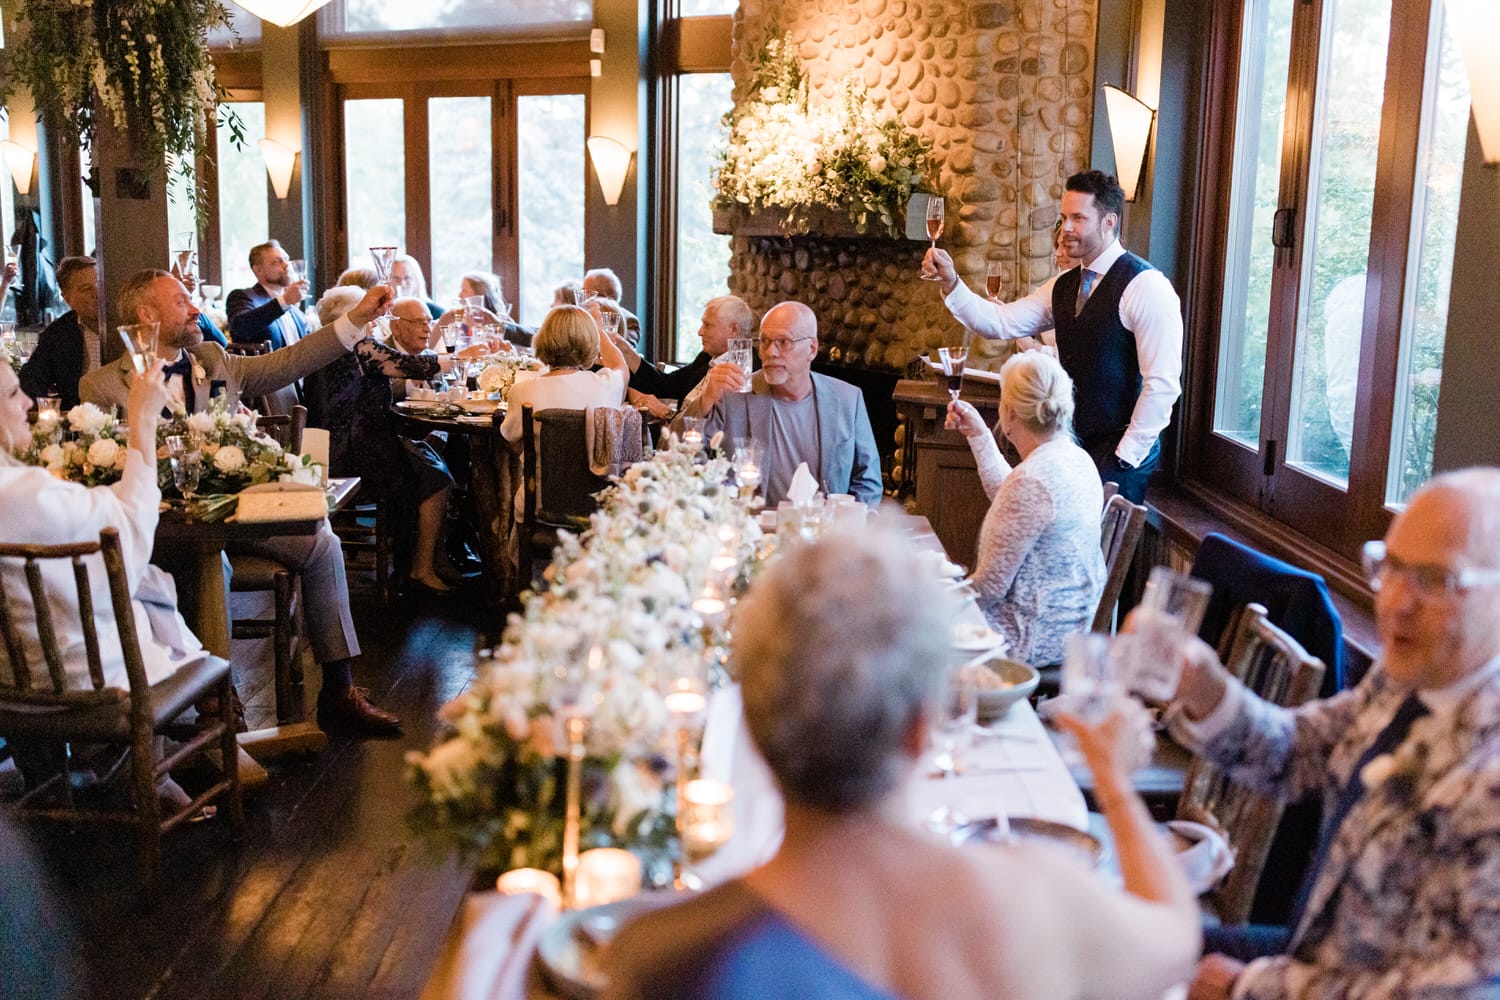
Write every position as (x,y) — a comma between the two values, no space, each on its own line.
(183,366)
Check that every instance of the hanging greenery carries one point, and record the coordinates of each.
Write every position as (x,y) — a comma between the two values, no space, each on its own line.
(142,65)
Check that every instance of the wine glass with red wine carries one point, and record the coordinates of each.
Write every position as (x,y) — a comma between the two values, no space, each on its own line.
(953,368)
(935,216)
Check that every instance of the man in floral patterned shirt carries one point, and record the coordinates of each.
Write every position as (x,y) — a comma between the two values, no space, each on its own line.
(1403,900)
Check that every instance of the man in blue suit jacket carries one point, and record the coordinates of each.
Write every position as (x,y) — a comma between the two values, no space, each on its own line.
(796,414)
(265,311)
(71,346)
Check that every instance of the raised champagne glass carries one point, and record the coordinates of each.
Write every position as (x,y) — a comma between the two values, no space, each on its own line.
(954,359)
(936,213)
(992,280)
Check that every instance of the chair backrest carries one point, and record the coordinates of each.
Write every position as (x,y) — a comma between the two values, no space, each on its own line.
(1120,529)
(286,428)
(46,683)
(557,485)
(1274,666)
(249,350)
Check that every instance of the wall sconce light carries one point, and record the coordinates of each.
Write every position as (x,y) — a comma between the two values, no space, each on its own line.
(280,162)
(22,163)
(1472,24)
(1130,130)
(611,162)
(283,12)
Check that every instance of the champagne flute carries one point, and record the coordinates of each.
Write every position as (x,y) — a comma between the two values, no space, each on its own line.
(935,217)
(992,279)
(951,729)
(383,257)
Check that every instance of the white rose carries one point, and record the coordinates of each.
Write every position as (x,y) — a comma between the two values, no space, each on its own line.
(877,164)
(86,418)
(229,459)
(201,423)
(244,421)
(308,475)
(53,456)
(492,378)
(103,452)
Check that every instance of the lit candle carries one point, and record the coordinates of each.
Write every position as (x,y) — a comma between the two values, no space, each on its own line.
(693,439)
(705,816)
(685,702)
(532,880)
(606,874)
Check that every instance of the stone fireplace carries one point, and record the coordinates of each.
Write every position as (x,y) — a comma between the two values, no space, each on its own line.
(1002,88)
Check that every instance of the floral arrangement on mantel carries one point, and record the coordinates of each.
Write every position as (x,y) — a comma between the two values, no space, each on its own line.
(619,606)
(852,156)
(142,63)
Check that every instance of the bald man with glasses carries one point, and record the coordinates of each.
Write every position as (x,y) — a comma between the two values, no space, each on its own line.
(794,413)
(1403,896)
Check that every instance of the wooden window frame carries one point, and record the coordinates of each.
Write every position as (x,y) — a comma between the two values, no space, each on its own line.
(1289,510)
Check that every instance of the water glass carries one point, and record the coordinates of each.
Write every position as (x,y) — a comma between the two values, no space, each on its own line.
(1173,608)
(741,352)
(951,722)
(8,334)
(1090,674)
(140,344)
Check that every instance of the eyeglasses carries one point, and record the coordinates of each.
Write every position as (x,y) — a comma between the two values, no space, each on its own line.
(1430,583)
(776,344)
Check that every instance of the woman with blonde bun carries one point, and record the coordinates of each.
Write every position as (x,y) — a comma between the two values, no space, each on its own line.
(1039,570)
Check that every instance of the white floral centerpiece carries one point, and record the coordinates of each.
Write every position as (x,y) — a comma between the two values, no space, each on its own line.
(9,356)
(852,155)
(617,617)
(84,447)
(235,453)
(498,373)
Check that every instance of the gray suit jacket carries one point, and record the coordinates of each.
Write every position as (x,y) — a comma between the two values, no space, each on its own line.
(240,375)
(851,462)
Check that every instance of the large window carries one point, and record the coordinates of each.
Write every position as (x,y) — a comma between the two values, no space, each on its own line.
(1344,146)
(459,165)
(702,255)
(358,20)
(244,202)
(550,179)
(374,176)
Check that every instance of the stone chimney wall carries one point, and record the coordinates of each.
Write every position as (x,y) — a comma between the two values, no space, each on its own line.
(1002,88)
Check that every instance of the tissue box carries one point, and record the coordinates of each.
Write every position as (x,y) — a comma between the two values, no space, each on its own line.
(281,502)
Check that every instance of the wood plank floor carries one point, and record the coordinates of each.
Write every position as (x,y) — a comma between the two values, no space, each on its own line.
(329,894)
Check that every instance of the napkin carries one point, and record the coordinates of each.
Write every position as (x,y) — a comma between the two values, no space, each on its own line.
(803,487)
(1209,856)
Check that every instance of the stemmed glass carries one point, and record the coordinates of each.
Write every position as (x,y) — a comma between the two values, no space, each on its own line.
(140,344)
(187,465)
(383,257)
(951,728)
(210,294)
(953,360)
(935,216)
(992,279)
(185,256)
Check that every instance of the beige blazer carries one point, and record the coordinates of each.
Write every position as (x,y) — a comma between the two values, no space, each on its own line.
(239,375)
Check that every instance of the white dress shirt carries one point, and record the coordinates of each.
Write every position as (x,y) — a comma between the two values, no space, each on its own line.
(1149,309)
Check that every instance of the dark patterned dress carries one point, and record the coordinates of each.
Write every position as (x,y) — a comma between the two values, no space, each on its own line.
(352,399)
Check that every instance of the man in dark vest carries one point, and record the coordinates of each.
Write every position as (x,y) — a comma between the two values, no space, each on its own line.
(1119,332)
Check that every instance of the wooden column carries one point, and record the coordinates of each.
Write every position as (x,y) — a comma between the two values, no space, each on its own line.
(132,219)
(616,233)
(281,87)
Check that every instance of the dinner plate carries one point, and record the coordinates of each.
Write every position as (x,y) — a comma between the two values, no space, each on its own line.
(973,638)
(570,950)
(423,405)
(479,405)
(1029,829)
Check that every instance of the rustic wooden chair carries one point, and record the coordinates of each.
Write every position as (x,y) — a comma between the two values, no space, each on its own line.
(42,704)
(1120,531)
(257,574)
(1277,668)
(557,486)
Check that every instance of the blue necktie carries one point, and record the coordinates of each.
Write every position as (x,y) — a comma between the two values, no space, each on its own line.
(1085,289)
(1387,740)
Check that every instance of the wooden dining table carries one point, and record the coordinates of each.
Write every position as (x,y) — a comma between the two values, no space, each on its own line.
(494,476)
(195,548)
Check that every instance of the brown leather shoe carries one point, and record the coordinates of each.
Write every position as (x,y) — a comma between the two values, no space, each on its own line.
(351,711)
